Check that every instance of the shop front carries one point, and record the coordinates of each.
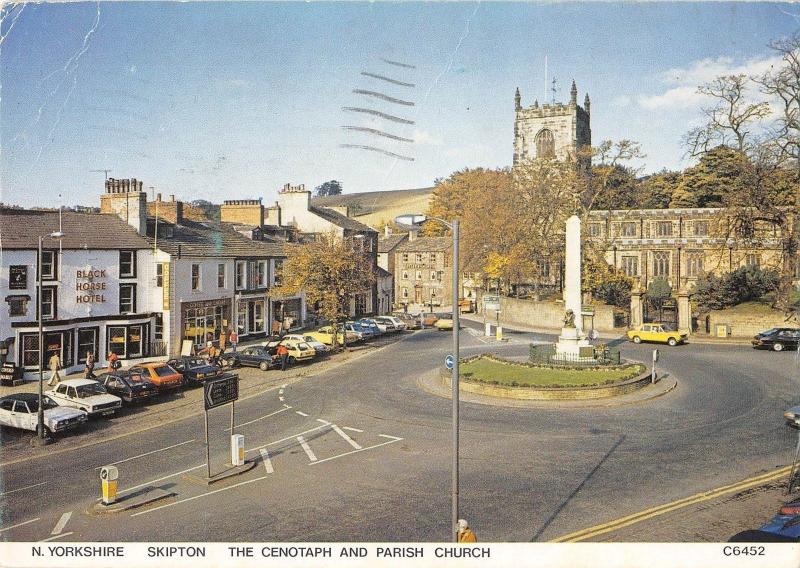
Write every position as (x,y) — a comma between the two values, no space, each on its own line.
(251,316)
(205,320)
(287,314)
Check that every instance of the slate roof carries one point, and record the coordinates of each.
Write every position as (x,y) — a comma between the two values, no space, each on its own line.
(21,229)
(340,220)
(204,239)
(426,244)
(386,244)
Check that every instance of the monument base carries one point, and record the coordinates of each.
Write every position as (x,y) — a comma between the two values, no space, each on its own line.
(573,346)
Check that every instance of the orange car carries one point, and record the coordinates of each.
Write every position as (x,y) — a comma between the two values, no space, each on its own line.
(429,319)
(161,375)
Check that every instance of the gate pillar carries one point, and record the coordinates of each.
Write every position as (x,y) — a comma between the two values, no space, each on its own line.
(684,310)
(637,313)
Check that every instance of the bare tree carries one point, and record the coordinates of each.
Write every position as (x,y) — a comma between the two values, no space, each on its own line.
(730,119)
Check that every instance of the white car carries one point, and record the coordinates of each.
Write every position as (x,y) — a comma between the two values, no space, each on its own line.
(22,411)
(87,395)
(318,346)
(391,323)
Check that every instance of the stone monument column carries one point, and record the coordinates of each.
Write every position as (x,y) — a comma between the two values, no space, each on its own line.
(572,272)
(684,310)
(637,311)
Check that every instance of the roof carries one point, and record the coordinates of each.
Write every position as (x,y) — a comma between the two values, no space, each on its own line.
(382,273)
(26,396)
(203,239)
(341,220)
(21,229)
(386,244)
(426,244)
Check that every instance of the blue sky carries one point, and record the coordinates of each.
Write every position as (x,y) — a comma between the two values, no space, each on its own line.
(232,100)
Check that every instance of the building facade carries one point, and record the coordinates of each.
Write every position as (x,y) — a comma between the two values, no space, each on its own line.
(423,273)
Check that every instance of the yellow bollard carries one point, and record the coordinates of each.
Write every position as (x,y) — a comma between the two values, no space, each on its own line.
(499,333)
(108,479)
(237,450)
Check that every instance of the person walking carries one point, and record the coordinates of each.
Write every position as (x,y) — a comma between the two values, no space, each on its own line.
(88,370)
(234,339)
(283,353)
(54,365)
(465,533)
(113,362)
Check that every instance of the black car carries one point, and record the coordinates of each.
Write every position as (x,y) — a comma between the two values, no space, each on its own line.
(777,339)
(195,370)
(255,356)
(131,386)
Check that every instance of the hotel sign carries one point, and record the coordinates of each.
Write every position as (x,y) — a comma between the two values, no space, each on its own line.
(90,285)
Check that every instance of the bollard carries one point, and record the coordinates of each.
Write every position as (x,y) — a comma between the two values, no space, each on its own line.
(237,449)
(108,480)
(499,333)
(488,331)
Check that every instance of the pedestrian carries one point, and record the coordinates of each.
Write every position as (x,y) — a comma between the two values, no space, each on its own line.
(54,365)
(283,353)
(234,339)
(276,328)
(113,362)
(223,339)
(465,533)
(88,370)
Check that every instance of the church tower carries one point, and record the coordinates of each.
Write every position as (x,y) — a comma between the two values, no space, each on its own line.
(551,131)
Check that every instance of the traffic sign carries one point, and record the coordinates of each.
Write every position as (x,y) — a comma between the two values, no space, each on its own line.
(221,391)
(491,302)
(450,362)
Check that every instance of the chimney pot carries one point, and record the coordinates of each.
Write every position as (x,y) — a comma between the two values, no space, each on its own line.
(172,198)
(158,197)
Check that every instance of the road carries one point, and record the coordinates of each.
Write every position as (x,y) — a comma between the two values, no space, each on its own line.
(362,453)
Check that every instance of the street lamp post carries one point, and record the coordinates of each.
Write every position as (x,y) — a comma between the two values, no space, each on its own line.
(40,414)
(454,227)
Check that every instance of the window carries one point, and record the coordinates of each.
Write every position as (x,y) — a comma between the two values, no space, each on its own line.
(30,350)
(432,256)
(17,305)
(433,293)
(220,276)
(241,318)
(544,267)
(630,265)
(694,264)
(663,228)
(49,268)
(7,404)
(545,144)
(629,229)
(420,257)
(405,257)
(261,269)
(752,259)
(405,275)
(159,275)
(700,228)
(87,343)
(277,278)
(433,275)
(195,277)
(241,274)
(127,264)
(127,298)
(49,302)
(361,304)
(419,275)
(158,331)
(595,229)
(661,263)
(404,293)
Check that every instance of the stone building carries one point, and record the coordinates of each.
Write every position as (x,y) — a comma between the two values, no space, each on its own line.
(551,130)
(423,273)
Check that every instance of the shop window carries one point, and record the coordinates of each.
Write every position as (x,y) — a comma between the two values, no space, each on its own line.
(30,349)
(258,317)
(127,298)
(135,341)
(241,318)
(49,265)
(241,274)
(195,277)
(55,343)
(127,264)
(49,302)
(117,339)
(220,276)
(87,343)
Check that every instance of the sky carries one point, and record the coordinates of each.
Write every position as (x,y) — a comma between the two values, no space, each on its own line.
(229,100)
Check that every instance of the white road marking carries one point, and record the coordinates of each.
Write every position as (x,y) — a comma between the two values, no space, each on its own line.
(262,418)
(286,405)
(281,398)
(62,522)
(323,421)
(135,487)
(283,386)
(199,496)
(280,391)
(301,413)
(146,454)
(284,439)
(307,448)
(356,451)
(347,438)
(55,537)
(351,429)
(20,524)
(23,488)
(267,461)
(395,438)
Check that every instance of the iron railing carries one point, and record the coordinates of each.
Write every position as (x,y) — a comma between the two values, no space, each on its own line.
(546,355)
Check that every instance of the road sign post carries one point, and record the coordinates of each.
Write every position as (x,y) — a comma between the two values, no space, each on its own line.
(218,392)
(654,375)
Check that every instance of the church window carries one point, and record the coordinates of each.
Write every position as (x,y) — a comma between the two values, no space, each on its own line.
(595,229)
(694,264)
(752,259)
(545,144)
(661,263)
(701,228)
(630,265)
(629,229)
(663,228)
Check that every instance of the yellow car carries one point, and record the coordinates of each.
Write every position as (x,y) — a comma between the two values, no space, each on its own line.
(298,350)
(655,332)
(325,335)
(445,324)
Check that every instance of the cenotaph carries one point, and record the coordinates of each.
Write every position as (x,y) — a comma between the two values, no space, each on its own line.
(572,338)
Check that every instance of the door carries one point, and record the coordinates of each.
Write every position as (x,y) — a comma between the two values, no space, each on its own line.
(13,417)
(24,418)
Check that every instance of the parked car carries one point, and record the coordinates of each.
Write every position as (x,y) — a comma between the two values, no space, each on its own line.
(22,411)
(195,370)
(412,322)
(444,324)
(356,330)
(299,350)
(371,325)
(160,374)
(319,347)
(87,395)
(656,333)
(783,525)
(254,356)
(391,323)
(428,319)
(777,339)
(130,386)
(325,335)
(792,416)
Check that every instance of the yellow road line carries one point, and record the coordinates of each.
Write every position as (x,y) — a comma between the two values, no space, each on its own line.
(610,526)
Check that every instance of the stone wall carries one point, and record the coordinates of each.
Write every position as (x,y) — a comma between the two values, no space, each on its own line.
(546,314)
(745,324)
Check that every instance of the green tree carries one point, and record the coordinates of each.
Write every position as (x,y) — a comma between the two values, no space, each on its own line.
(332,187)
(719,172)
(744,284)
(658,292)
(655,191)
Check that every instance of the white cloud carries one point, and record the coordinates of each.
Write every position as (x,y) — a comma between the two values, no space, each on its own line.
(425,138)
(675,97)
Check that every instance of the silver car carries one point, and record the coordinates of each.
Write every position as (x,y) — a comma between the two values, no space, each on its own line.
(22,411)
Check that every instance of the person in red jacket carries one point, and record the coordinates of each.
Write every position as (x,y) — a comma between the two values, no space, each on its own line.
(283,353)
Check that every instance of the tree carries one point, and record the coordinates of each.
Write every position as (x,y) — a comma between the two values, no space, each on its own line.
(719,172)
(330,270)
(332,187)
(658,292)
(610,184)
(656,191)
(742,285)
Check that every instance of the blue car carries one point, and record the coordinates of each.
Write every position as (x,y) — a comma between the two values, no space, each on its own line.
(784,525)
(371,325)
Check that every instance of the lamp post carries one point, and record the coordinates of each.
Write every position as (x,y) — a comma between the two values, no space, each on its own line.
(454,227)
(40,426)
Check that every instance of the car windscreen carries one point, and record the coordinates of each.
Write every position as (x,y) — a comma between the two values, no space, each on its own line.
(85,391)
(47,403)
(770,331)
(164,371)
(303,346)
(195,362)
(136,379)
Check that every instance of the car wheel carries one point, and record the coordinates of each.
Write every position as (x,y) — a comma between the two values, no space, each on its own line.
(263,365)
(292,360)
(637,339)
(671,342)
(777,347)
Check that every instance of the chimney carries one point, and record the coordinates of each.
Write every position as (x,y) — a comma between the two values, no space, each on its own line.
(412,234)
(243,212)
(295,202)
(171,210)
(387,230)
(126,200)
